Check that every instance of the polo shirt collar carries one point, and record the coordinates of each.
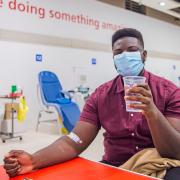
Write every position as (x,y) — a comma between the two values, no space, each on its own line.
(120,85)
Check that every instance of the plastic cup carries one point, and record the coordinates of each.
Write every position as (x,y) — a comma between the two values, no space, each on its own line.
(129,82)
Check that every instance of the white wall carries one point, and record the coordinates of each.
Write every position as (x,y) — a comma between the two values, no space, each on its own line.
(158,35)
(18,65)
(167,68)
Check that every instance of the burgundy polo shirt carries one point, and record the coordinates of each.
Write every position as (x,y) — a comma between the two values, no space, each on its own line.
(127,133)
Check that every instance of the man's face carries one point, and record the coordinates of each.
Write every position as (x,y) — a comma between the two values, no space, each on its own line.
(129,44)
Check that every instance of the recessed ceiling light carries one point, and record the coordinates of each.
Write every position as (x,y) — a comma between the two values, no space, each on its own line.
(162,3)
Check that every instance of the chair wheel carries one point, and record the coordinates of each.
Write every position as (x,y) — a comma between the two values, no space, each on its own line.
(3,141)
(20,138)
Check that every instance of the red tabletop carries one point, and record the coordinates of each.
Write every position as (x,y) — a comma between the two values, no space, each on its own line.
(78,169)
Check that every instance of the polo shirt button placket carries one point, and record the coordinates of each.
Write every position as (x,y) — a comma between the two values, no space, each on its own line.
(131,114)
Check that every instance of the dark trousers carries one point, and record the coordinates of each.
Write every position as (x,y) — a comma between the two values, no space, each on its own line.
(171,174)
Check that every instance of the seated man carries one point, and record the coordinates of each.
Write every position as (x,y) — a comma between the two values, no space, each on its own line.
(157,125)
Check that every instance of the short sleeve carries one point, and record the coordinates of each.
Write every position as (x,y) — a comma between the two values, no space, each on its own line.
(172,107)
(90,110)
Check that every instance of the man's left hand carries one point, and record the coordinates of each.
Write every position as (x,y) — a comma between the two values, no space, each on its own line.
(144,96)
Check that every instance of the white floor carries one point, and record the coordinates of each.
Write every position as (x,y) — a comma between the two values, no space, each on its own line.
(33,141)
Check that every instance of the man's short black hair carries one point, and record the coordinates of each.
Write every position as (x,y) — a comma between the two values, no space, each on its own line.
(127,32)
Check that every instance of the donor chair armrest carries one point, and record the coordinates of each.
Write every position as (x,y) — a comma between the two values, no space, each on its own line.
(67,94)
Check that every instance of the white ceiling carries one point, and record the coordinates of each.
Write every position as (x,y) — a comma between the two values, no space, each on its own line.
(169,4)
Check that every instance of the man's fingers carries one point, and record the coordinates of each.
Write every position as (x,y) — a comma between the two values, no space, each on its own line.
(10,166)
(139,90)
(10,160)
(8,155)
(145,86)
(13,153)
(16,152)
(141,99)
(13,172)
(138,106)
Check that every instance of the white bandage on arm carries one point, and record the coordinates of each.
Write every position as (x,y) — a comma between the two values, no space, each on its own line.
(74,137)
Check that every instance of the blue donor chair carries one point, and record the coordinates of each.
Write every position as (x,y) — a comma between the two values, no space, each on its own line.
(53,95)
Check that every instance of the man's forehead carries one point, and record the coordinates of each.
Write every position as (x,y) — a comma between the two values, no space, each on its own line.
(129,41)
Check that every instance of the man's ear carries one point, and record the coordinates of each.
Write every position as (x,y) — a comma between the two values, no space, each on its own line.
(144,56)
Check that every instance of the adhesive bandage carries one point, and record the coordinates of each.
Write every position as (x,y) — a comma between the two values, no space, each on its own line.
(74,137)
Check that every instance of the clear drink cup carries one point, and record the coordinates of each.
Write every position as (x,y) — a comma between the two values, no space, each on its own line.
(129,82)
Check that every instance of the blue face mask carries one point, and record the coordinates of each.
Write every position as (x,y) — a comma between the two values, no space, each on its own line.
(129,63)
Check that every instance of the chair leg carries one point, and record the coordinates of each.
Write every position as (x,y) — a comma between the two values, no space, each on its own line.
(38,122)
(62,129)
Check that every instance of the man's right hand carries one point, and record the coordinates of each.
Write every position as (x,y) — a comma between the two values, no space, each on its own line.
(18,162)
(64,149)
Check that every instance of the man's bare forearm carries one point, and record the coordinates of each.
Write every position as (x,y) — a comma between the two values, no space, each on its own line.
(60,151)
(65,148)
(165,137)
